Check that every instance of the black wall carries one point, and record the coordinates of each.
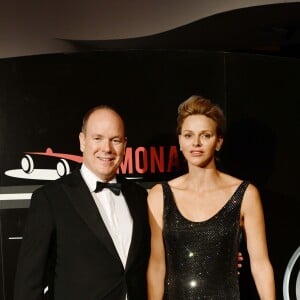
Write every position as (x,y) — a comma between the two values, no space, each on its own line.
(262,98)
(42,99)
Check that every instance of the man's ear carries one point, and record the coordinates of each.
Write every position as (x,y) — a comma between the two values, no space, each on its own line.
(125,144)
(82,141)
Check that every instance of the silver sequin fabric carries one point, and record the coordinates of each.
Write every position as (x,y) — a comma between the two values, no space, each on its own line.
(201,257)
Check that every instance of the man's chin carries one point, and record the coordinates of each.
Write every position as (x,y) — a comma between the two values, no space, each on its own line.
(108,175)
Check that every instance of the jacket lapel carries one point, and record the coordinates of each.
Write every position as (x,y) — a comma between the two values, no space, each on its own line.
(137,230)
(83,202)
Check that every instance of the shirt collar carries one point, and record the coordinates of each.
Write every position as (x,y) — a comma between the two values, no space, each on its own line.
(90,178)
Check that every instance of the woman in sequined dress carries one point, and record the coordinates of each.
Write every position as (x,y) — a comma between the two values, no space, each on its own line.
(196,219)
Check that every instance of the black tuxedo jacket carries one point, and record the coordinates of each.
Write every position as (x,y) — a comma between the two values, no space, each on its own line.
(67,247)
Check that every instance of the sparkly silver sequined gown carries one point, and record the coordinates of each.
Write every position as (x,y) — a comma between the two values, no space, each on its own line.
(201,257)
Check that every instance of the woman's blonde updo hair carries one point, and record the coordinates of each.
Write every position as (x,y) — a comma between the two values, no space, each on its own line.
(198,105)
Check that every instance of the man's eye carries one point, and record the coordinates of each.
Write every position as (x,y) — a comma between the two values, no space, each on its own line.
(187,135)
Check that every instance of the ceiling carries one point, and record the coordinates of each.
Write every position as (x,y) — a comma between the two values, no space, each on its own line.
(269,27)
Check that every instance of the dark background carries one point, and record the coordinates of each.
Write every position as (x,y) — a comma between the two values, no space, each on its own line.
(43,98)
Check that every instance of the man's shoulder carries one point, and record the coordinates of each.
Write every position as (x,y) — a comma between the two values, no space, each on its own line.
(73,178)
(131,185)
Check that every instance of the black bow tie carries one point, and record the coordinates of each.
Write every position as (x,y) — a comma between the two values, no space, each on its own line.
(114,187)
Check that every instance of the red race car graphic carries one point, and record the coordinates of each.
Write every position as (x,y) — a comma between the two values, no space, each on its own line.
(62,166)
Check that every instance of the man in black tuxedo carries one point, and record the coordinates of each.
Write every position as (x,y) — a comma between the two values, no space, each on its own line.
(82,239)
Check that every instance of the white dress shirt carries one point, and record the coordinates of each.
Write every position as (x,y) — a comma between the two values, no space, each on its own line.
(114,212)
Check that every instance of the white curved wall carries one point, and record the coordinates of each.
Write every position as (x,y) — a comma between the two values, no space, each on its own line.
(33,27)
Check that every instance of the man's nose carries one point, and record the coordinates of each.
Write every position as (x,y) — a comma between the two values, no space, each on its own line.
(106,146)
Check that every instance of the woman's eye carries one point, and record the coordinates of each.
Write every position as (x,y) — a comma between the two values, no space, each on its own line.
(206,136)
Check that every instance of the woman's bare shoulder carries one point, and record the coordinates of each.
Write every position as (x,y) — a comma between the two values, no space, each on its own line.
(230,179)
(155,194)
(251,193)
(157,188)
(155,202)
(176,182)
